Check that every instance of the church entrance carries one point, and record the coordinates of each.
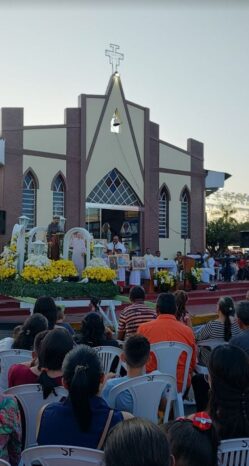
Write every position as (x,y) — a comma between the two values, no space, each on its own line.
(103,223)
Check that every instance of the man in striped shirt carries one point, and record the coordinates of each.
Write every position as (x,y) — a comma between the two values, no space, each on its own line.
(135,314)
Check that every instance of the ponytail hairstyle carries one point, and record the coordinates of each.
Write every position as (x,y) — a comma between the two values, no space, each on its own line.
(226,307)
(229,392)
(54,347)
(82,373)
(181,300)
(31,327)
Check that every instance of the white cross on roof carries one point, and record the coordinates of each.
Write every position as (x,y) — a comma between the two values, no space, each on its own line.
(114,56)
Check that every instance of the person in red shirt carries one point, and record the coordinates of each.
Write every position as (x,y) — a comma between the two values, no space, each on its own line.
(166,328)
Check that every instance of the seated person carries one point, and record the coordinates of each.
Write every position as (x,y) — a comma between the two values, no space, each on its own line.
(54,346)
(137,442)
(7,342)
(193,442)
(32,326)
(10,430)
(82,418)
(136,355)
(242,340)
(46,306)
(60,320)
(93,332)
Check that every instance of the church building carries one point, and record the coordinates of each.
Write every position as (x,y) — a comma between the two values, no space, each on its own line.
(105,169)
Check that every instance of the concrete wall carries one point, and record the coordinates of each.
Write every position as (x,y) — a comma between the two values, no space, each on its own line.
(173,159)
(52,140)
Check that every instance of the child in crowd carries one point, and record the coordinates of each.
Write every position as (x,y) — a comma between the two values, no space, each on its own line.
(60,320)
(83,419)
(137,442)
(193,442)
(136,355)
(181,313)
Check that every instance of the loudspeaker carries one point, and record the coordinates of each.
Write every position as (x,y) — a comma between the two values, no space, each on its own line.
(244,239)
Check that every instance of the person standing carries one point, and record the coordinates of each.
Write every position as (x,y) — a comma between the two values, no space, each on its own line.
(53,238)
(115,245)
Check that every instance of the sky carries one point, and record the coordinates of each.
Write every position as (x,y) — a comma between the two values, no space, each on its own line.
(187,61)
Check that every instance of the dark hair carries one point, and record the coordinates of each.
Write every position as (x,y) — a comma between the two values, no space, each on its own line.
(82,373)
(54,347)
(242,311)
(31,327)
(166,303)
(92,331)
(45,305)
(229,393)
(137,350)
(95,302)
(181,298)
(38,341)
(226,306)
(137,292)
(191,446)
(136,442)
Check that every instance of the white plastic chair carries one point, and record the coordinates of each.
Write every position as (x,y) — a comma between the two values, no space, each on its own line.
(234,452)
(146,392)
(62,456)
(7,359)
(107,355)
(30,397)
(4,463)
(211,344)
(167,354)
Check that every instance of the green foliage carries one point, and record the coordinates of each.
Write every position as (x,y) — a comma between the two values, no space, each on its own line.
(19,287)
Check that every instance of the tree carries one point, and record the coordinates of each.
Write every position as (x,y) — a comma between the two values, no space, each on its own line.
(222,232)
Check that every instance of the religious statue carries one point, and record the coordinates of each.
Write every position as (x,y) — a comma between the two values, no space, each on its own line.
(54,234)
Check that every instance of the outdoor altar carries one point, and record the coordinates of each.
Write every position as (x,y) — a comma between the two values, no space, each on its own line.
(26,271)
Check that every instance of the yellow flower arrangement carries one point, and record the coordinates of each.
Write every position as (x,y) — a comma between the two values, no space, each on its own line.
(99,274)
(164,279)
(7,272)
(63,268)
(37,274)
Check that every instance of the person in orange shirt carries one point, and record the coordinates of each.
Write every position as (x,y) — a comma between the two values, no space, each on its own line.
(166,328)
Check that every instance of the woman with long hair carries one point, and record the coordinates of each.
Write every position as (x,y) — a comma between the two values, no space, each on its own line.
(93,332)
(182,313)
(223,328)
(229,391)
(84,418)
(32,326)
(46,306)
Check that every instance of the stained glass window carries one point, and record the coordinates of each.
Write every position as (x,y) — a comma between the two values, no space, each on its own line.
(185,214)
(58,196)
(29,199)
(113,189)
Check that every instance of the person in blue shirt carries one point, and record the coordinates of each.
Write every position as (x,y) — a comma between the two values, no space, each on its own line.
(136,354)
(84,418)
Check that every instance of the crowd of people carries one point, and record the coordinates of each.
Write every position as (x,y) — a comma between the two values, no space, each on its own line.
(61,357)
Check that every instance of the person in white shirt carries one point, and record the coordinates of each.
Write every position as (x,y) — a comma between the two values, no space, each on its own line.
(115,245)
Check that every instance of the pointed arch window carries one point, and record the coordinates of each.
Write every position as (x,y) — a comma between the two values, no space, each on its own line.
(29,196)
(58,196)
(164,213)
(113,189)
(185,214)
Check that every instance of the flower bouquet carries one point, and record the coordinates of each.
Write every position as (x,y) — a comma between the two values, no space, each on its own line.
(194,277)
(165,280)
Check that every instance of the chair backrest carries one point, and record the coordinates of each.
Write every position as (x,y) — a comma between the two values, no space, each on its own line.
(107,355)
(4,463)
(234,452)
(146,392)
(7,359)
(62,456)
(30,397)
(167,354)
(212,342)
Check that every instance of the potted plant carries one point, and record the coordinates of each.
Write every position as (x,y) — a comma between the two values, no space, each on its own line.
(165,280)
